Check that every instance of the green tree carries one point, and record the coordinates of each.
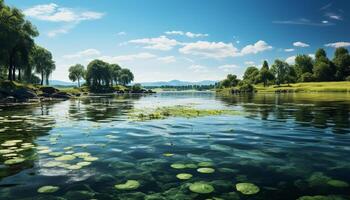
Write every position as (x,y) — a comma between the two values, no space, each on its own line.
(230,81)
(76,73)
(323,69)
(115,73)
(281,71)
(126,76)
(98,74)
(341,61)
(16,39)
(265,74)
(41,60)
(303,64)
(251,74)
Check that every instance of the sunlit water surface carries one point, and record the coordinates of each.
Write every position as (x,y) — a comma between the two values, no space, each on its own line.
(288,145)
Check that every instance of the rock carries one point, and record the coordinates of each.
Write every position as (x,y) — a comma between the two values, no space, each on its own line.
(61,95)
(49,90)
(24,93)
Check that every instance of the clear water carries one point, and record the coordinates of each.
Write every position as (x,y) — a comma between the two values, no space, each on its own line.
(287,145)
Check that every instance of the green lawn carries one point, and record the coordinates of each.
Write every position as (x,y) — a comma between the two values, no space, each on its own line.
(343,86)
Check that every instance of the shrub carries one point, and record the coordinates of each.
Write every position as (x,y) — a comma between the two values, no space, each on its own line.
(307,77)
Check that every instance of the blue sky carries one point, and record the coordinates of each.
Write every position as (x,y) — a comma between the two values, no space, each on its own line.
(185,39)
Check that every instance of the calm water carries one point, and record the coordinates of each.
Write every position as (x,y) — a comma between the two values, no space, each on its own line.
(288,145)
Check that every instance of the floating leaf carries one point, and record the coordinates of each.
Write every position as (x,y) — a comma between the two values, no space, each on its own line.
(48,189)
(206,170)
(184,176)
(247,188)
(178,166)
(201,188)
(129,185)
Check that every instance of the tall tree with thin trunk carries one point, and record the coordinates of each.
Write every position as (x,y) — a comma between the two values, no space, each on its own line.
(76,73)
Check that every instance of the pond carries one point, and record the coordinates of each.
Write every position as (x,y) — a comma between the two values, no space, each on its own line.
(282,146)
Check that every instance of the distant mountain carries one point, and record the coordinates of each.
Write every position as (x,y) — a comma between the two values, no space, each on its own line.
(62,83)
(178,83)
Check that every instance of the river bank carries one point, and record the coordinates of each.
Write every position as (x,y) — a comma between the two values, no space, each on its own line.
(342,86)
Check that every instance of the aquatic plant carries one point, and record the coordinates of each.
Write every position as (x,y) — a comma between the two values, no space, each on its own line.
(206,170)
(14,161)
(90,158)
(178,166)
(51,164)
(205,164)
(48,189)
(201,188)
(338,183)
(176,111)
(247,188)
(168,154)
(129,185)
(321,197)
(184,176)
(191,166)
(65,157)
(83,164)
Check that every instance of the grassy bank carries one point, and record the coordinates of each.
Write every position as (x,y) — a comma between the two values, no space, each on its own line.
(343,86)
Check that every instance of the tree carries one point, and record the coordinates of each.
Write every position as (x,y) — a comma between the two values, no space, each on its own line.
(76,73)
(341,61)
(41,60)
(324,69)
(303,64)
(98,74)
(230,81)
(126,76)
(16,38)
(251,74)
(115,72)
(281,70)
(265,74)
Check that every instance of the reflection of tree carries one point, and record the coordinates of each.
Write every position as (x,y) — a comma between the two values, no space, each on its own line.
(24,123)
(318,110)
(106,108)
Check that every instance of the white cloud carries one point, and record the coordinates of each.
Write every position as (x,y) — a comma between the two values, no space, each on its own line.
(338,44)
(210,49)
(160,43)
(289,50)
(227,68)
(334,16)
(127,58)
(312,56)
(54,13)
(222,50)
(198,68)
(302,21)
(300,44)
(188,34)
(167,59)
(249,63)
(121,33)
(259,46)
(85,53)
(291,60)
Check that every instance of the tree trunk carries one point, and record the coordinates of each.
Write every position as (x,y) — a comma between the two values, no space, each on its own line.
(10,67)
(19,74)
(42,78)
(78,82)
(14,73)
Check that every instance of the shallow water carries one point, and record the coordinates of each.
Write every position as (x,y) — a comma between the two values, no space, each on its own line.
(288,145)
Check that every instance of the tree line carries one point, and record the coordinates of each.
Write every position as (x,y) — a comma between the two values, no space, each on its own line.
(101,74)
(305,69)
(20,58)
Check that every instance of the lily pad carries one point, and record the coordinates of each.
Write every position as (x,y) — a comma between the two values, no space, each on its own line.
(48,189)
(65,157)
(168,154)
(201,188)
(83,164)
(338,183)
(56,154)
(191,166)
(5,151)
(90,159)
(14,161)
(74,167)
(129,185)
(52,164)
(82,154)
(206,170)
(205,164)
(184,176)
(178,166)
(247,188)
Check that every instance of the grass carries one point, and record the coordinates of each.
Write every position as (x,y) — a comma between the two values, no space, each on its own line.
(343,86)
(340,86)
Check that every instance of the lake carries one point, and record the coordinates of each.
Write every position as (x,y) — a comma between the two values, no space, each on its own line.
(288,146)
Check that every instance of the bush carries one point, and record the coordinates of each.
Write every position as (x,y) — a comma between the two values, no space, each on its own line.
(136,88)
(307,77)
(245,86)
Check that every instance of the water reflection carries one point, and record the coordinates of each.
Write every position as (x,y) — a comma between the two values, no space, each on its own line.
(317,110)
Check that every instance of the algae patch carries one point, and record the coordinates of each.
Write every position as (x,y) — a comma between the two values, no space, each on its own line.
(177,111)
